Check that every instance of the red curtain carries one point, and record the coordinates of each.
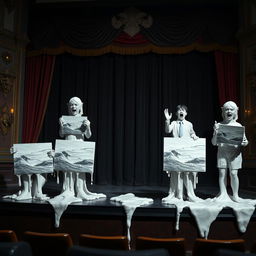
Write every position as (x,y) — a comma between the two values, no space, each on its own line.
(227,75)
(38,76)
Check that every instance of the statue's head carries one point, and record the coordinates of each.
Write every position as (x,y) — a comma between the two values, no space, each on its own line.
(229,111)
(75,106)
(181,112)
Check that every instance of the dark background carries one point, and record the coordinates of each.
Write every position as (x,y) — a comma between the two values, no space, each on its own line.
(124,98)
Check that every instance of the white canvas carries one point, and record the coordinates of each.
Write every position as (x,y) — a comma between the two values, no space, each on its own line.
(183,155)
(74,156)
(230,134)
(30,158)
(72,124)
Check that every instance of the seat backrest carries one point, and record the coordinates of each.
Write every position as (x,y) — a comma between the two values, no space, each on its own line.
(56,244)
(226,252)
(175,246)
(82,251)
(15,249)
(208,247)
(8,236)
(104,242)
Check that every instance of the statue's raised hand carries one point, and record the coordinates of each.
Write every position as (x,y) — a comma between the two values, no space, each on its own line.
(167,115)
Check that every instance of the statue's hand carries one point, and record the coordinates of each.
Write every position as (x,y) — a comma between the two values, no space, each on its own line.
(51,153)
(167,115)
(12,150)
(194,137)
(61,121)
(86,123)
(216,127)
(244,142)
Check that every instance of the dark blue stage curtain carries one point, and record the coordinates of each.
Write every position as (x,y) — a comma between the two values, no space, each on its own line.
(124,98)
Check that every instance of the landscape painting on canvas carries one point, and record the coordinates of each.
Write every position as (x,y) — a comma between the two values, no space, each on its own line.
(74,156)
(73,124)
(182,155)
(230,134)
(32,158)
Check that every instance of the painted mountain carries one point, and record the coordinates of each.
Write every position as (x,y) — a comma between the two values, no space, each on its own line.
(182,155)
(74,156)
(73,124)
(32,158)
(230,134)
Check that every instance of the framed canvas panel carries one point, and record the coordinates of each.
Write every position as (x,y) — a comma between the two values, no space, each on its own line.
(230,134)
(32,158)
(73,124)
(183,155)
(74,156)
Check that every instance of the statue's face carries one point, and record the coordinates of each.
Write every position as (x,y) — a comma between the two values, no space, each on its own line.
(229,113)
(74,108)
(181,114)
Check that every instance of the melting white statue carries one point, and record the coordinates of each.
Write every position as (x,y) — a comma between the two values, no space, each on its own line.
(74,187)
(181,128)
(75,183)
(32,162)
(229,155)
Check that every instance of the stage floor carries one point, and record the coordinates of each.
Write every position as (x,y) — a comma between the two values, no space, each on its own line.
(157,208)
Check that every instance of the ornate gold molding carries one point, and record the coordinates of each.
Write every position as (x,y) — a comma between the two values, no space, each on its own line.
(131,19)
(6,119)
(6,83)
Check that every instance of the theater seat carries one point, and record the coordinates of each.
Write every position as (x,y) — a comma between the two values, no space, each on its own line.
(8,236)
(104,242)
(209,247)
(46,244)
(15,249)
(226,252)
(86,251)
(175,246)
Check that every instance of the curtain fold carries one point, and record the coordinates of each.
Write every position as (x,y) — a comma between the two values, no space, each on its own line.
(38,76)
(227,74)
(172,28)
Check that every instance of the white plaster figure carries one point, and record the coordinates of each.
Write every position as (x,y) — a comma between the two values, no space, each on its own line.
(181,128)
(32,162)
(229,155)
(75,183)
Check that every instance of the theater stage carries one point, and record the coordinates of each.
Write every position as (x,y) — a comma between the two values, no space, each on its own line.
(103,217)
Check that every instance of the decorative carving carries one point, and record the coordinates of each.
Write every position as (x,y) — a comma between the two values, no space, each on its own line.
(6,119)
(6,84)
(132,19)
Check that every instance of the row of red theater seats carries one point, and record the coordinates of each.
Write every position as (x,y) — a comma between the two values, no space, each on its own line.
(59,243)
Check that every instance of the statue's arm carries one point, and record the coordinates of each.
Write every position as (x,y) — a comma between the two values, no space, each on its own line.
(61,130)
(87,132)
(192,133)
(168,124)
(215,131)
